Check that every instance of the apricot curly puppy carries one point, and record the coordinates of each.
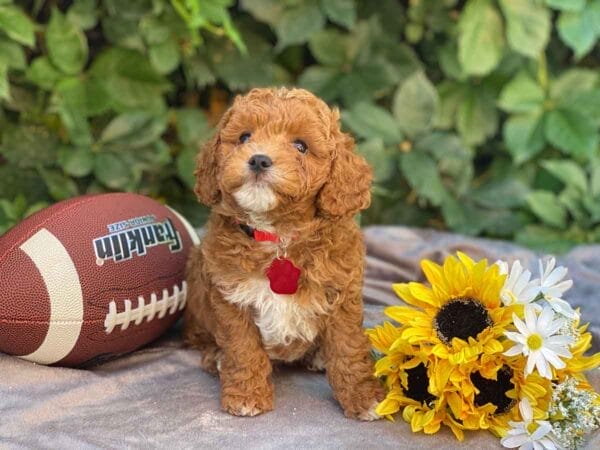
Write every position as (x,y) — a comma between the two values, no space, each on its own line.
(278,275)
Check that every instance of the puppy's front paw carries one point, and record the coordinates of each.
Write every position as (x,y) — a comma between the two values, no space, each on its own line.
(246,406)
(370,414)
(363,400)
(256,401)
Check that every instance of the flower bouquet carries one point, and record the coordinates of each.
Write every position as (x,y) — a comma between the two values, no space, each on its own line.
(486,347)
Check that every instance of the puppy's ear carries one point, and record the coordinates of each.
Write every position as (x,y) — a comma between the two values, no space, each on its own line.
(348,187)
(207,166)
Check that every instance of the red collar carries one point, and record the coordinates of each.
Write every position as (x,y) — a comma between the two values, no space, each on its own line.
(259,235)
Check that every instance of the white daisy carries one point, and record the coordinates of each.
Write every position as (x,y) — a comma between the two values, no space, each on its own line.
(518,287)
(538,342)
(529,434)
(552,288)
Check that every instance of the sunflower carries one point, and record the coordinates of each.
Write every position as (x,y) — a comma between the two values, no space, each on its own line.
(504,391)
(403,368)
(483,394)
(408,384)
(460,316)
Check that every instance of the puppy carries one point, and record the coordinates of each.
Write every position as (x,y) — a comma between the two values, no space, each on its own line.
(278,275)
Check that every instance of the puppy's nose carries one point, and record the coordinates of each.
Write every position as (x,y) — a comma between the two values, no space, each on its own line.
(259,163)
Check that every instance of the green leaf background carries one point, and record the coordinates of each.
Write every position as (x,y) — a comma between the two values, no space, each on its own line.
(478,116)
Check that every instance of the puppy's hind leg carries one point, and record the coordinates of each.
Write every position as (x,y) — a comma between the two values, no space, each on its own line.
(315,360)
(198,314)
(196,336)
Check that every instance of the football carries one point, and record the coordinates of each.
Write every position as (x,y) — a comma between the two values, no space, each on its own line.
(92,277)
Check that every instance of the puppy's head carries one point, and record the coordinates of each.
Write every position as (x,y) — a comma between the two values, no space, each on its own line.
(280,148)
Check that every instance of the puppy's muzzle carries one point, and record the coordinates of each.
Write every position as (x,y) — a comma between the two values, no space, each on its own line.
(259,163)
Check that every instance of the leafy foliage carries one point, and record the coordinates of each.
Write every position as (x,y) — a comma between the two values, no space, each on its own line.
(480,116)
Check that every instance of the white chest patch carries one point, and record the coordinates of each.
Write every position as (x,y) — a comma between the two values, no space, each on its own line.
(278,317)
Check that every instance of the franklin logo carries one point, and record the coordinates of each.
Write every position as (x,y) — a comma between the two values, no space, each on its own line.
(133,237)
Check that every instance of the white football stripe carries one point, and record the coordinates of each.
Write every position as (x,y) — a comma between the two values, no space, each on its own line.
(66,298)
(190,229)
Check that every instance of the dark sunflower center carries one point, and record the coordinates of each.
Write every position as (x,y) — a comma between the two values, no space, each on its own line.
(494,391)
(417,384)
(461,318)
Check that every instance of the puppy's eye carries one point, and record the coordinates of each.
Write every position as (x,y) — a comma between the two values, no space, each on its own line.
(245,137)
(300,146)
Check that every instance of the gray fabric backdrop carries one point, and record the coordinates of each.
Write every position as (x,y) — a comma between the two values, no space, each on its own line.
(158,397)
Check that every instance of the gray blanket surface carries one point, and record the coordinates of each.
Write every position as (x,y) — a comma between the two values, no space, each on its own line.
(158,397)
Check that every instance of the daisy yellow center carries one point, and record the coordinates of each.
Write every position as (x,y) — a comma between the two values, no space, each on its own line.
(535,341)
(532,427)
(461,318)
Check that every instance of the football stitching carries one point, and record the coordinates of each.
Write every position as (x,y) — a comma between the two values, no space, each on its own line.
(172,303)
(99,306)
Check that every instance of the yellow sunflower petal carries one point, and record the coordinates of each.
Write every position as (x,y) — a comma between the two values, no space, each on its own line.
(399,344)
(468,390)
(582,344)
(478,273)
(455,427)
(408,412)
(403,290)
(411,363)
(465,355)
(493,346)
(423,294)
(417,421)
(415,335)
(405,314)
(455,276)
(440,350)
(490,371)
(441,373)
(428,417)
(533,391)
(466,259)
(434,273)
(432,427)
(499,430)
(384,365)
(490,295)
(583,363)
(387,407)
(383,336)
(471,422)
(456,404)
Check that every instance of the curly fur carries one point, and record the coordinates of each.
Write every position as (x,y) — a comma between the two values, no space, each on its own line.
(309,200)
